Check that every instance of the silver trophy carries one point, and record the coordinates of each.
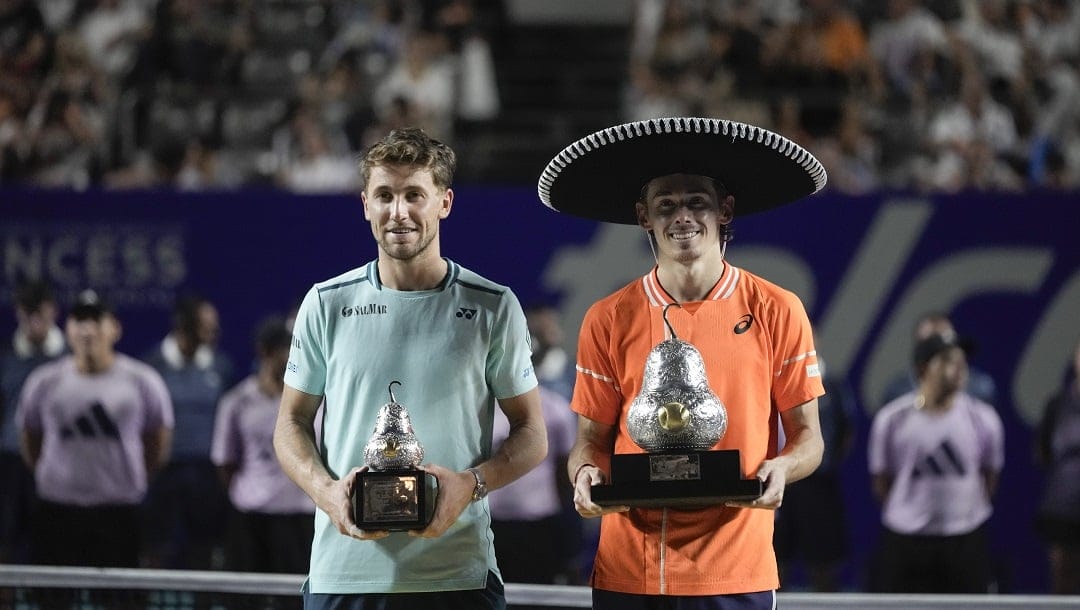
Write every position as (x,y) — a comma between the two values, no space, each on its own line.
(393,494)
(676,419)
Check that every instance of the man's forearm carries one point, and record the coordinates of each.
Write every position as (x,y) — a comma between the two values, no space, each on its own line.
(523,449)
(801,455)
(294,444)
(593,446)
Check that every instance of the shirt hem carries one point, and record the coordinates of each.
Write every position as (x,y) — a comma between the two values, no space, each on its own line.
(726,587)
(321,585)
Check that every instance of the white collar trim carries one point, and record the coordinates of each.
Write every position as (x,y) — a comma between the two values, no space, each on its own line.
(52,347)
(170,351)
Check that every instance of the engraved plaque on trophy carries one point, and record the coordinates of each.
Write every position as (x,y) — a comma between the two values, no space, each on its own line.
(676,419)
(393,494)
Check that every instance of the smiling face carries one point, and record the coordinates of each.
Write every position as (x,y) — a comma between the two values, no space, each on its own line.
(404,207)
(686,216)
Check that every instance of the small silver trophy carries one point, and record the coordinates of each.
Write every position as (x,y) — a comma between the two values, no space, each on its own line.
(393,494)
(676,419)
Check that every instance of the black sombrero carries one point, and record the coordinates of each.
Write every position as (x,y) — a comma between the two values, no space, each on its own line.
(601,175)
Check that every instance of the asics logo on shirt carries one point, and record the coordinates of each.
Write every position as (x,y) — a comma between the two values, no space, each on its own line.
(464,312)
(744,324)
(941,462)
(93,424)
(362,310)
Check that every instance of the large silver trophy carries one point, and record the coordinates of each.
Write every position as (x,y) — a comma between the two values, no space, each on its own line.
(393,494)
(676,419)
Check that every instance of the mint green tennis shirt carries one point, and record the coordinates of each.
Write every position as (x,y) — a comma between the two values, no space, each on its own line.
(455,349)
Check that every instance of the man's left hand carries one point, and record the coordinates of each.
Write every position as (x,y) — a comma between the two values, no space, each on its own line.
(774,477)
(455,493)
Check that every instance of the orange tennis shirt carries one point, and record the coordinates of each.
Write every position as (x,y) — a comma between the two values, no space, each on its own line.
(759,357)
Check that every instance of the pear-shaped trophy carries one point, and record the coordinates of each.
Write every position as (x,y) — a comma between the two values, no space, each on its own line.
(676,419)
(393,494)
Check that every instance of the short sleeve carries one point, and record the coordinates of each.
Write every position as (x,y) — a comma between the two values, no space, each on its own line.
(597,395)
(225,446)
(158,402)
(306,370)
(509,363)
(28,409)
(797,373)
(877,445)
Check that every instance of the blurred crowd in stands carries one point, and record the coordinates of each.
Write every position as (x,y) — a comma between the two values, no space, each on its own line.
(927,95)
(200,94)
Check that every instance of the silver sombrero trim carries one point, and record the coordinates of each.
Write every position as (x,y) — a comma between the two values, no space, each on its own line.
(637,129)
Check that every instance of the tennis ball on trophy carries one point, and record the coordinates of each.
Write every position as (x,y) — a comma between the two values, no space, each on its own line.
(673,416)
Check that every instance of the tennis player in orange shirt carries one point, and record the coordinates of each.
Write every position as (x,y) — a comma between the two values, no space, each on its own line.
(681,180)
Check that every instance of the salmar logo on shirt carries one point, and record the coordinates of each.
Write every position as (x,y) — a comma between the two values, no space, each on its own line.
(362,310)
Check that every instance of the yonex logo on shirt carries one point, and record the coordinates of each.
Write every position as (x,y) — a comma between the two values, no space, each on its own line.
(466,313)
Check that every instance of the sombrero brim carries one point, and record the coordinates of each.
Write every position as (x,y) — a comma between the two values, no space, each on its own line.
(601,175)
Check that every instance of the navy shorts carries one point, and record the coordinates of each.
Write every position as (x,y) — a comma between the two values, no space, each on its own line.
(492,597)
(610,600)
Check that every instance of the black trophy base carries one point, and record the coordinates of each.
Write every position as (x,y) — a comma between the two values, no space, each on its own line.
(394,500)
(676,479)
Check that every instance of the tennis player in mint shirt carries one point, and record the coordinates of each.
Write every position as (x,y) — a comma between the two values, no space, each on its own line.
(458,343)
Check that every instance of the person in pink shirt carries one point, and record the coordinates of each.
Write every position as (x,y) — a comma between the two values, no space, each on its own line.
(273,519)
(94,427)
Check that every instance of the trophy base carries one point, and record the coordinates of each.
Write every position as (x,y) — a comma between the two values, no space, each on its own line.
(394,500)
(676,479)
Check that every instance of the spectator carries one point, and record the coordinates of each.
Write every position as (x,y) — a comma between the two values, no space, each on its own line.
(850,154)
(969,135)
(318,168)
(935,455)
(1058,451)
(904,41)
(95,426)
(425,77)
(66,141)
(273,520)
(187,507)
(112,31)
(554,369)
(979,383)
(37,340)
(24,42)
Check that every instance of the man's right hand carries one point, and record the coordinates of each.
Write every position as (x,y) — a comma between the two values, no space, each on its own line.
(339,508)
(587,476)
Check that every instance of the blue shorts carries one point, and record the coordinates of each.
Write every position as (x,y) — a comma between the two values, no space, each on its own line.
(492,597)
(610,600)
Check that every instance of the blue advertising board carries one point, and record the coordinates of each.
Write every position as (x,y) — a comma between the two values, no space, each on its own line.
(1006,268)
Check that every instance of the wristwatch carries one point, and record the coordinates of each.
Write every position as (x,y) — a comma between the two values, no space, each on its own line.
(481,487)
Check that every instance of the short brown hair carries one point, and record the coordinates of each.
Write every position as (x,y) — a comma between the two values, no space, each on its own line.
(411,146)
